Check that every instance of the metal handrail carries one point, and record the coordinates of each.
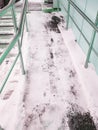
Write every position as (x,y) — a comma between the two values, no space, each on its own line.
(16,37)
(89,21)
(19,33)
(78,29)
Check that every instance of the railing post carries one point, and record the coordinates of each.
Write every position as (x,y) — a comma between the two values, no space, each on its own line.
(27,11)
(23,29)
(68,15)
(27,24)
(19,32)
(19,45)
(92,42)
(58,5)
(82,22)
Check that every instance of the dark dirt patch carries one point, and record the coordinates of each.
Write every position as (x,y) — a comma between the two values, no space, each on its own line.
(62,19)
(56,19)
(7,61)
(80,121)
(49,1)
(52,24)
(14,81)
(37,112)
(29,120)
(51,55)
(53,89)
(73,91)
(44,94)
(8,94)
(75,40)
(52,40)
(72,73)
(61,16)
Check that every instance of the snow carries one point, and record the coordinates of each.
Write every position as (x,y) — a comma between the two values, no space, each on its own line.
(88,77)
(42,97)
(49,81)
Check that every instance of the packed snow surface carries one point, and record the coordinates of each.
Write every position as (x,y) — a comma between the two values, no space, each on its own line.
(50,89)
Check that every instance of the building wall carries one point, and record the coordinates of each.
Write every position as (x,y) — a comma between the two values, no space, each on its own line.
(90,8)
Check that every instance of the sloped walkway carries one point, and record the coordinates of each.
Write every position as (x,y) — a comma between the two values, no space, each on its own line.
(49,96)
(52,87)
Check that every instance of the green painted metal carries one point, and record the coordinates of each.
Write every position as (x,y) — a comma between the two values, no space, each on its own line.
(51,10)
(19,46)
(4,10)
(82,21)
(26,24)
(79,29)
(79,13)
(7,76)
(55,7)
(68,15)
(9,48)
(92,42)
(19,34)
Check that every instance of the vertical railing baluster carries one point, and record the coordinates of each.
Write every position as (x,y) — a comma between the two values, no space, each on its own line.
(58,5)
(19,44)
(83,21)
(27,11)
(68,15)
(18,34)
(26,23)
(92,42)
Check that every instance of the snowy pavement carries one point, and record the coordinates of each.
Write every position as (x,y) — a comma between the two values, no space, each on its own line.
(50,90)
(52,87)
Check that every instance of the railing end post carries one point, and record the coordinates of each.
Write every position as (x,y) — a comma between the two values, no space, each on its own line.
(68,15)
(86,65)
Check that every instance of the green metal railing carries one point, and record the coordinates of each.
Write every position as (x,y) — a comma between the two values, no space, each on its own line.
(88,20)
(18,37)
